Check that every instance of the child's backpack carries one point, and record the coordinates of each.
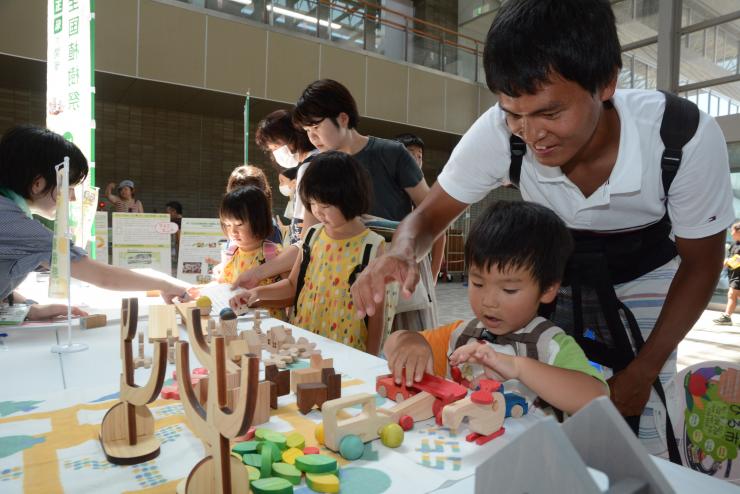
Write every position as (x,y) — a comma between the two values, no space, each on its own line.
(369,252)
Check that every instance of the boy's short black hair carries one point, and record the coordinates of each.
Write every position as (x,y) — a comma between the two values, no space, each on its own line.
(337,179)
(27,153)
(174,205)
(325,98)
(278,127)
(249,205)
(531,40)
(518,234)
(410,140)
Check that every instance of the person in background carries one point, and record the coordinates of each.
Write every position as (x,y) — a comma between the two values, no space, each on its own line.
(247,222)
(732,262)
(338,192)
(414,145)
(174,209)
(124,200)
(245,175)
(28,156)
(288,180)
(289,148)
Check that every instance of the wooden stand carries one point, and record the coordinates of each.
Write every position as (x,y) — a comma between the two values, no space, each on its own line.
(214,422)
(127,430)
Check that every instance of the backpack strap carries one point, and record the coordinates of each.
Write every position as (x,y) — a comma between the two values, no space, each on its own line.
(311,236)
(269,251)
(679,124)
(517,150)
(368,254)
(536,341)
(471,331)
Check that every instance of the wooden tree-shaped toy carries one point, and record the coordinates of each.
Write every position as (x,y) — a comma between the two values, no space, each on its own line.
(127,430)
(214,422)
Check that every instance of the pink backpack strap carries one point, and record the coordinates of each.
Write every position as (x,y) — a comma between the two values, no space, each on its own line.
(269,250)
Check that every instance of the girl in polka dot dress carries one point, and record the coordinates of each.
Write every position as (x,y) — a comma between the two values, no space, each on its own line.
(247,222)
(338,190)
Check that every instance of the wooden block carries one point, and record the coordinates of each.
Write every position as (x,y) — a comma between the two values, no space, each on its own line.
(254,342)
(161,319)
(276,361)
(333,383)
(262,407)
(310,394)
(273,395)
(290,454)
(317,362)
(418,407)
(483,419)
(280,378)
(295,440)
(236,349)
(300,376)
(93,321)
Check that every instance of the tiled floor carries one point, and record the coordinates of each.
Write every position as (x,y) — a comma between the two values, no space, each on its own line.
(705,341)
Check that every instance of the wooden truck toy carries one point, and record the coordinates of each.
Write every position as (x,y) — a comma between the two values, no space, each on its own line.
(485,410)
(443,390)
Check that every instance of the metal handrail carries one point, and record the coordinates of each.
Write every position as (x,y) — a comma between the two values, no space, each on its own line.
(332,4)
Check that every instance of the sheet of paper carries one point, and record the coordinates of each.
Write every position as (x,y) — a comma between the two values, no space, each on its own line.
(201,240)
(142,241)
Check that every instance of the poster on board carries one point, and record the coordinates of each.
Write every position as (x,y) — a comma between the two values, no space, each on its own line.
(101,237)
(201,241)
(142,240)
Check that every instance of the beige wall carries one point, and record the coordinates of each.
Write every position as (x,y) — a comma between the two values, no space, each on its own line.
(182,45)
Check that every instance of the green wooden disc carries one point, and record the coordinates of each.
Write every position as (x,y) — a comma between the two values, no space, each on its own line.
(254,474)
(245,447)
(287,472)
(274,450)
(275,438)
(266,463)
(272,485)
(295,440)
(252,459)
(316,464)
(260,433)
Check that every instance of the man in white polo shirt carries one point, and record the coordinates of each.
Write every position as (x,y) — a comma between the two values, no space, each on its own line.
(649,237)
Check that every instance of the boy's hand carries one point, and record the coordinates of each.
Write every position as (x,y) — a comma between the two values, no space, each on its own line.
(414,355)
(498,365)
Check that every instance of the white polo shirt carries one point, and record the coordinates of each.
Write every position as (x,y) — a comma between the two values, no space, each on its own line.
(699,200)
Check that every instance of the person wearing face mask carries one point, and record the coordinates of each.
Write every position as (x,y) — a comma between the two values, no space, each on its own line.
(287,180)
(290,148)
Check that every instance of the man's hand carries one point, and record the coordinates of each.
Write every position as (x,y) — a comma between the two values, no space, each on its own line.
(38,312)
(368,290)
(630,390)
(248,279)
(179,292)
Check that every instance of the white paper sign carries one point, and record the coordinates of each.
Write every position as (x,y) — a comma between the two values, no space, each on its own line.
(201,240)
(140,240)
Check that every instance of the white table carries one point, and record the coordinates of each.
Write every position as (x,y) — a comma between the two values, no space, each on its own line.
(32,372)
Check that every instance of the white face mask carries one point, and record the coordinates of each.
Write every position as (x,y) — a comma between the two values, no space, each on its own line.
(285,158)
(286,190)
